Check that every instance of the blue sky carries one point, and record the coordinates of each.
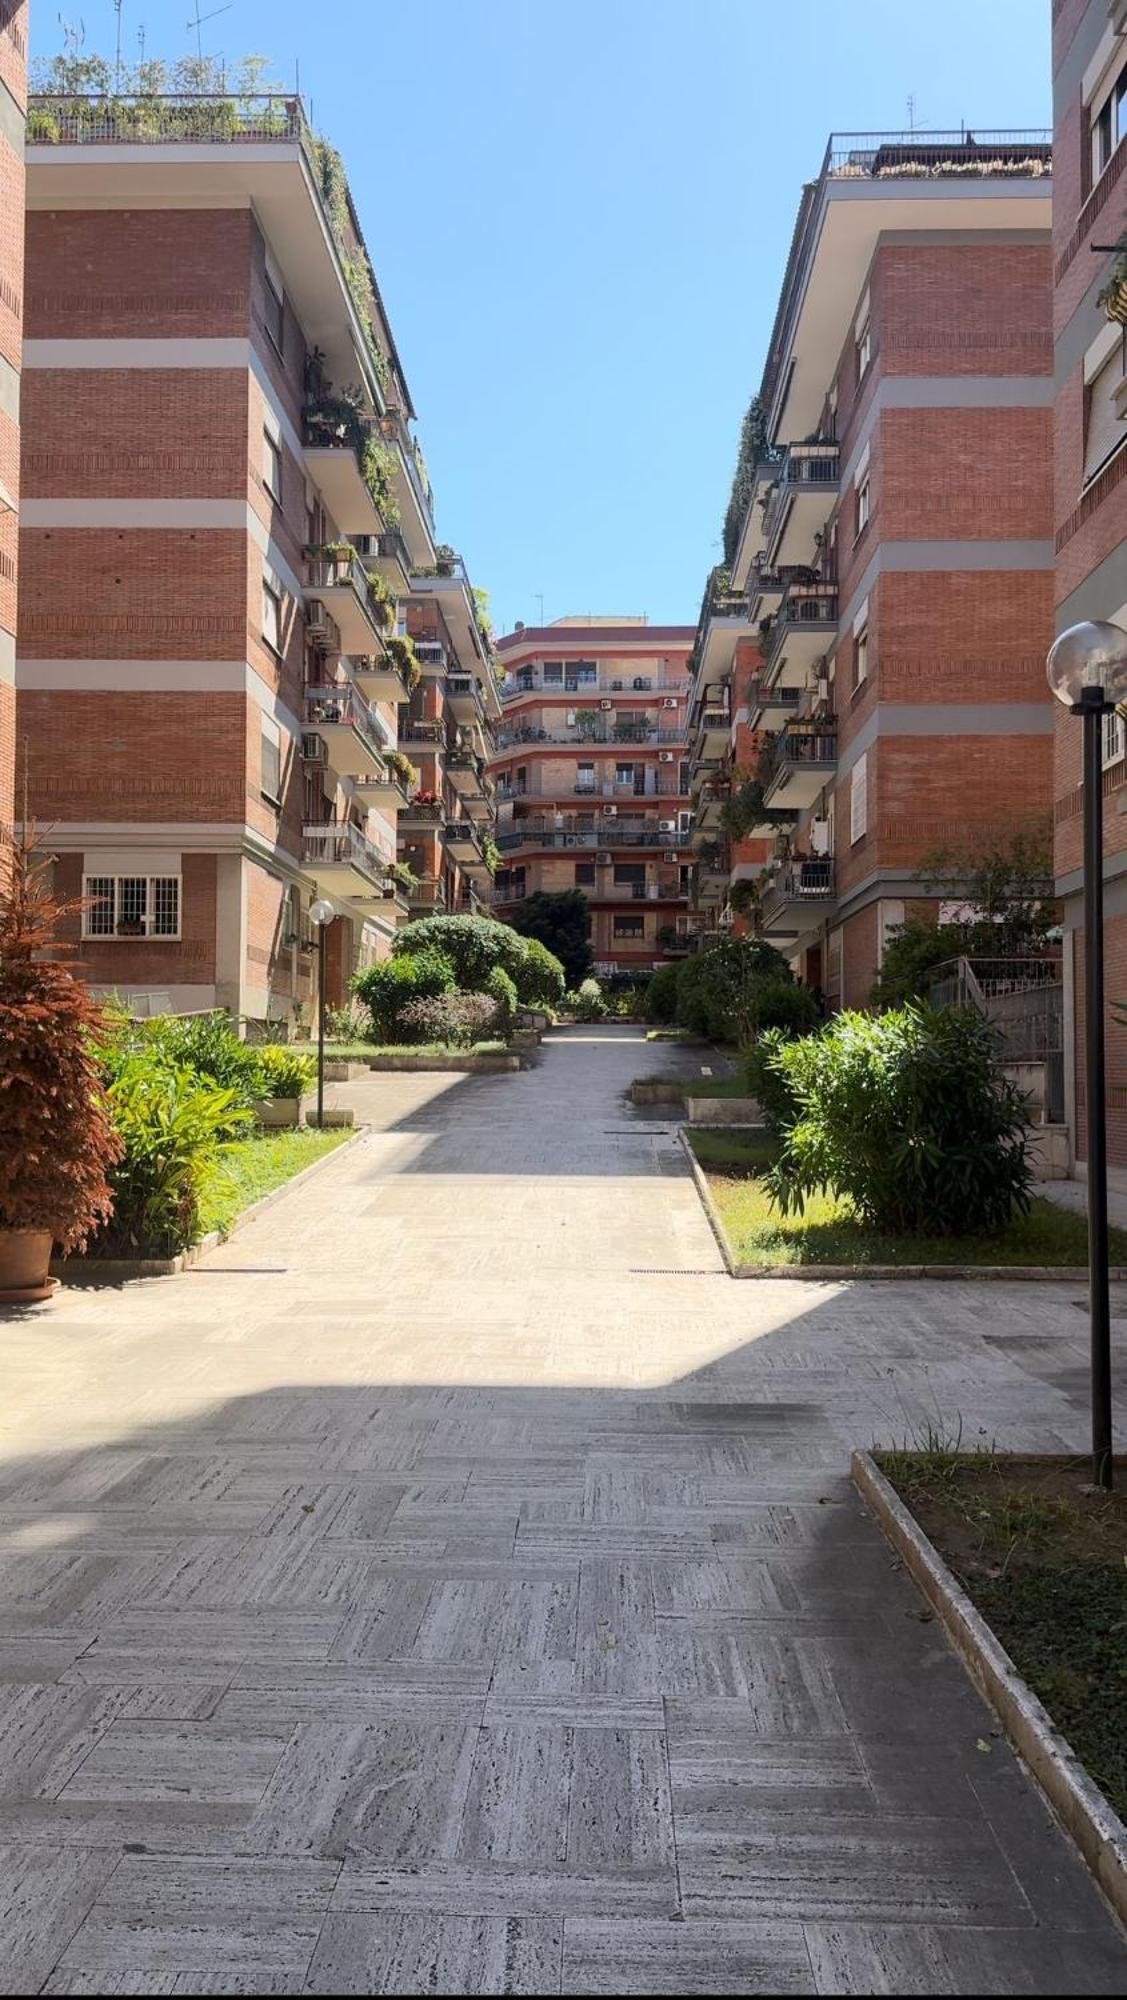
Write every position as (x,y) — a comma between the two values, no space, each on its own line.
(579,211)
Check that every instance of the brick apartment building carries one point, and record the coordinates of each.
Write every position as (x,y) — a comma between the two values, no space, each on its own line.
(592,778)
(13,108)
(225,555)
(1089,214)
(888,604)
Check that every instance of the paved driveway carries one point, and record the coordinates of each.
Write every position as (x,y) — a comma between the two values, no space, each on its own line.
(455,1585)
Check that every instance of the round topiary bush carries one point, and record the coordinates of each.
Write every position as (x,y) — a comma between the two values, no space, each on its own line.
(390,984)
(473,946)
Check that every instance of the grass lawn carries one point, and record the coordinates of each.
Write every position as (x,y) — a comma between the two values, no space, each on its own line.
(253,1167)
(1044,1557)
(829,1233)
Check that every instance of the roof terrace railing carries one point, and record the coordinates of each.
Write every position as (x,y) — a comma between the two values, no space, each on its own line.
(109,119)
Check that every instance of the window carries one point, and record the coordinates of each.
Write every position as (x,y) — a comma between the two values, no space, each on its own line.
(859,798)
(624,774)
(275,314)
(272,465)
(584,874)
(861,658)
(630,926)
(864,349)
(1115,738)
(1104,428)
(583,673)
(585,777)
(630,874)
(553,673)
(1108,122)
(271,617)
(271,762)
(131,906)
(864,498)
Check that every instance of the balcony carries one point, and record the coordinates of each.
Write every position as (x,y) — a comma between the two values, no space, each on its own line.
(725,620)
(801,633)
(390,558)
(378,677)
(354,740)
(769,706)
(333,435)
(522,735)
(713,725)
(425,737)
(428,897)
(799,507)
(530,680)
(802,761)
(710,805)
(797,896)
(422,814)
(431,656)
(447,584)
(463,843)
(464,699)
(343,862)
(339,582)
(381,789)
(608,834)
(468,776)
(411,483)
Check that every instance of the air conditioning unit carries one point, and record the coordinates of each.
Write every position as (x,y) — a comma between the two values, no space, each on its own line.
(606,704)
(604,857)
(823,690)
(571,718)
(610,812)
(819,831)
(312,748)
(667,826)
(671,854)
(317,619)
(670,701)
(666,757)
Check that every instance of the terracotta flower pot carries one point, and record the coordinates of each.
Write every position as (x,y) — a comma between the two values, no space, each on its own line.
(25,1255)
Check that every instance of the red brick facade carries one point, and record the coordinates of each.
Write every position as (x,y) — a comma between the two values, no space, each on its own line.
(13,103)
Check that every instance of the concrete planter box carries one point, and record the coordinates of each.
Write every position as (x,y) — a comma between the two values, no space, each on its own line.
(342,1072)
(1047,1151)
(273,1112)
(723,1111)
(525,1038)
(462,1065)
(1075,1798)
(657,1092)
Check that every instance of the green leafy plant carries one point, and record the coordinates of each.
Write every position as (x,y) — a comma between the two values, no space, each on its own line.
(501,989)
(907,1115)
(204,1046)
(402,767)
(661,995)
(716,989)
(458,1019)
(57,1139)
(285,1071)
(402,651)
(560,920)
(172,1127)
(587,1002)
(474,945)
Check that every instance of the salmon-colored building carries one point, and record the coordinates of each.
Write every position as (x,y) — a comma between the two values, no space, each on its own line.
(13,113)
(592,777)
(894,562)
(1090,507)
(228,546)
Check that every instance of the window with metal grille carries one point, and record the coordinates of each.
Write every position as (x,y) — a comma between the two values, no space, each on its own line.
(1115,738)
(131,906)
(271,465)
(271,617)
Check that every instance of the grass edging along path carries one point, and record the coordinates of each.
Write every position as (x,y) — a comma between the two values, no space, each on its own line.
(737,1212)
(122,1270)
(1078,1802)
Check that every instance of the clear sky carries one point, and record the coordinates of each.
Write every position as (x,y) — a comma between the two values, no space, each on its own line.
(579,213)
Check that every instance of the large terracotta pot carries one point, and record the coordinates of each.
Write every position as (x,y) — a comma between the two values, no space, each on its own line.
(25,1255)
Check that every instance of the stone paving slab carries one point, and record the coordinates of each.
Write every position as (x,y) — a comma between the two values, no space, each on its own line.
(454,1584)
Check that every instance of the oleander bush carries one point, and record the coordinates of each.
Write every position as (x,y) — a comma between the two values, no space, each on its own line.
(501,989)
(907,1115)
(457,1019)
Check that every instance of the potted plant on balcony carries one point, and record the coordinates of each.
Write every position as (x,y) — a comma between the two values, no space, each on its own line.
(57,1140)
(401,649)
(587,721)
(1113,296)
(402,768)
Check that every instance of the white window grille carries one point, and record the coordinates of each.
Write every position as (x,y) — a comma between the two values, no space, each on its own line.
(859,798)
(1114,739)
(131,906)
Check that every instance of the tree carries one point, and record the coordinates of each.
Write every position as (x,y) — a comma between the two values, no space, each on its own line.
(753,448)
(560,919)
(1005,879)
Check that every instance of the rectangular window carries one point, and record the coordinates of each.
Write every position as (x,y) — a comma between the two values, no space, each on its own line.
(864,498)
(860,658)
(585,777)
(271,617)
(275,314)
(859,798)
(131,906)
(271,774)
(584,874)
(272,466)
(864,349)
(1109,123)
(630,926)
(583,673)
(553,673)
(630,874)
(624,774)
(1115,738)
(1104,428)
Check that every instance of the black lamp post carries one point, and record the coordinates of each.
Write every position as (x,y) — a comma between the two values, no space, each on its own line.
(1087,670)
(321,913)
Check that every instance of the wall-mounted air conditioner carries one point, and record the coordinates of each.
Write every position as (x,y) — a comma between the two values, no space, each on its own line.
(610,812)
(666,757)
(604,857)
(670,701)
(823,690)
(671,854)
(312,748)
(606,704)
(667,826)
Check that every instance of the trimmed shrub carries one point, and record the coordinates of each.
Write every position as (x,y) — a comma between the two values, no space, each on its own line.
(285,1072)
(716,988)
(661,995)
(458,1019)
(539,979)
(500,988)
(783,1003)
(474,945)
(908,1116)
(388,987)
(587,1003)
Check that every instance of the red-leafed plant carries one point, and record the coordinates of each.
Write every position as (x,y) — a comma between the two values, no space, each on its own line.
(57,1140)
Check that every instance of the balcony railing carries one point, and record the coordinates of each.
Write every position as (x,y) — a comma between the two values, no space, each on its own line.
(533,833)
(99,120)
(529,681)
(336,843)
(393,548)
(431,655)
(340,705)
(805,607)
(809,879)
(761,694)
(328,572)
(805,467)
(396,430)
(424,735)
(525,734)
(935,155)
(804,743)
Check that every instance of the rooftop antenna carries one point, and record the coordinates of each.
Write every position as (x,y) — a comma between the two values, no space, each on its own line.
(74,34)
(117,7)
(198,20)
(539,596)
(141,44)
(911,112)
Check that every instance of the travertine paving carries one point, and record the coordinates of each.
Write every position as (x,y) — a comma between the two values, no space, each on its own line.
(455,1585)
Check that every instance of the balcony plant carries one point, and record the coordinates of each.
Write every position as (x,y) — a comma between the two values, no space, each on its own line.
(381,599)
(401,649)
(403,769)
(1113,295)
(587,721)
(58,1144)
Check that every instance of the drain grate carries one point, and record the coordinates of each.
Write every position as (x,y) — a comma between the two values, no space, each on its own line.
(669,1271)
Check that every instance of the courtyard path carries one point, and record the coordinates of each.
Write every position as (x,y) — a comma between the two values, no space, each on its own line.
(455,1585)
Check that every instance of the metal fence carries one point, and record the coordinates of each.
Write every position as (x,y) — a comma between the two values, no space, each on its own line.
(1024,999)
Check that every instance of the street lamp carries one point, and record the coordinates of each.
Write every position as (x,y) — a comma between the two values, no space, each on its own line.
(1087,669)
(321,913)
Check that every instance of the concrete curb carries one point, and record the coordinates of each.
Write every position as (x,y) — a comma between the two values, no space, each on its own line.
(124,1270)
(1079,1804)
(1040,1274)
(460,1065)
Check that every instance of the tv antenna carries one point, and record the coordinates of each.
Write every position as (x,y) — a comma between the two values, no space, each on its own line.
(539,596)
(198,20)
(74,34)
(117,7)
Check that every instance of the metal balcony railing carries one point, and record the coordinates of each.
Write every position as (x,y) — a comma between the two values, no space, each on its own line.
(424,735)
(805,743)
(804,607)
(340,705)
(329,572)
(533,833)
(126,119)
(337,843)
(936,155)
(805,467)
(807,879)
(431,653)
(393,548)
